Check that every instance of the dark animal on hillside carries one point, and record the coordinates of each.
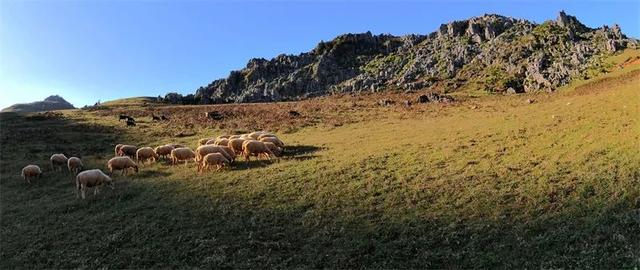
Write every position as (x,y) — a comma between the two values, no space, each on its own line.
(215,115)
(155,118)
(164,118)
(386,102)
(407,103)
(294,114)
(124,117)
(129,118)
(131,122)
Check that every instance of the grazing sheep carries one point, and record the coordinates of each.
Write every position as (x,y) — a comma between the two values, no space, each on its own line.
(182,153)
(222,142)
(74,165)
(31,171)
(128,150)
(212,159)
(121,163)
(255,148)
(223,137)
(58,160)
(234,137)
(164,151)
(255,135)
(118,146)
(277,151)
(273,140)
(203,150)
(229,151)
(212,142)
(265,136)
(92,178)
(236,145)
(204,141)
(146,154)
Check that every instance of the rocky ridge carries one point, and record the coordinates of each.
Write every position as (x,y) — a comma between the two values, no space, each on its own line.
(492,52)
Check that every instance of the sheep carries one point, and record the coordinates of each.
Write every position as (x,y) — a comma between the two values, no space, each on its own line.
(223,137)
(164,150)
(121,163)
(182,153)
(236,145)
(255,135)
(204,141)
(74,165)
(212,142)
(229,151)
(92,178)
(255,148)
(203,150)
(128,150)
(211,159)
(31,171)
(265,135)
(118,146)
(58,160)
(277,151)
(273,140)
(146,154)
(234,137)
(223,142)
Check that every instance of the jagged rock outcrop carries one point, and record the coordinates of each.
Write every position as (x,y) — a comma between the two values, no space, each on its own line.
(491,51)
(50,103)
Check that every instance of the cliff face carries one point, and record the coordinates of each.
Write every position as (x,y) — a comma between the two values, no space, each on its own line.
(50,103)
(494,52)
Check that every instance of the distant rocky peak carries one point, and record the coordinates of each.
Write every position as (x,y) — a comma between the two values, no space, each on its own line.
(55,98)
(570,22)
(479,29)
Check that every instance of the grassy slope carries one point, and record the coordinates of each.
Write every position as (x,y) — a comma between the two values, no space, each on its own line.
(490,182)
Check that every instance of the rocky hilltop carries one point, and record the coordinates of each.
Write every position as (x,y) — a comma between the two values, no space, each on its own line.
(50,103)
(491,52)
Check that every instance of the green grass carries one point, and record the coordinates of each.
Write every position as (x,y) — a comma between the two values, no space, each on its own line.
(490,182)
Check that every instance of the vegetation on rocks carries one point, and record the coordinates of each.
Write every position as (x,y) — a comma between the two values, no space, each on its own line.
(535,57)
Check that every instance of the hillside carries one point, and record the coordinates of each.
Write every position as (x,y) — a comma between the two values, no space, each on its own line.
(50,103)
(489,53)
(537,180)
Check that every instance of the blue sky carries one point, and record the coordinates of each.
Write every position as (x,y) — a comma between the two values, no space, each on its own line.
(102,50)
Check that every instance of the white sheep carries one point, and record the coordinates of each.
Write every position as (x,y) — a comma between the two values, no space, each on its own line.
(204,141)
(255,148)
(146,154)
(74,165)
(92,178)
(255,135)
(180,154)
(222,142)
(31,171)
(236,145)
(164,151)
(212,159)
(121,163)
(203,150)
(273,140)
(277,151)
(58,160)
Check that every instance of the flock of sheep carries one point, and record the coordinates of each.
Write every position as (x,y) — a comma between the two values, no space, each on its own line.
(216,152)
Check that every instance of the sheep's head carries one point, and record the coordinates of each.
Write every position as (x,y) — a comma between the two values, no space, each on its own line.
(135,168)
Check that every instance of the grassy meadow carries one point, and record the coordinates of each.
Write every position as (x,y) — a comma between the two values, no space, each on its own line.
(493,181)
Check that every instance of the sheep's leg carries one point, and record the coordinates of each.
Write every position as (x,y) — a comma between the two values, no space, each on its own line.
(83,188)
(95,191)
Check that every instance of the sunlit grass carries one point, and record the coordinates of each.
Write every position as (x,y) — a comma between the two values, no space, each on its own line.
(493,181)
